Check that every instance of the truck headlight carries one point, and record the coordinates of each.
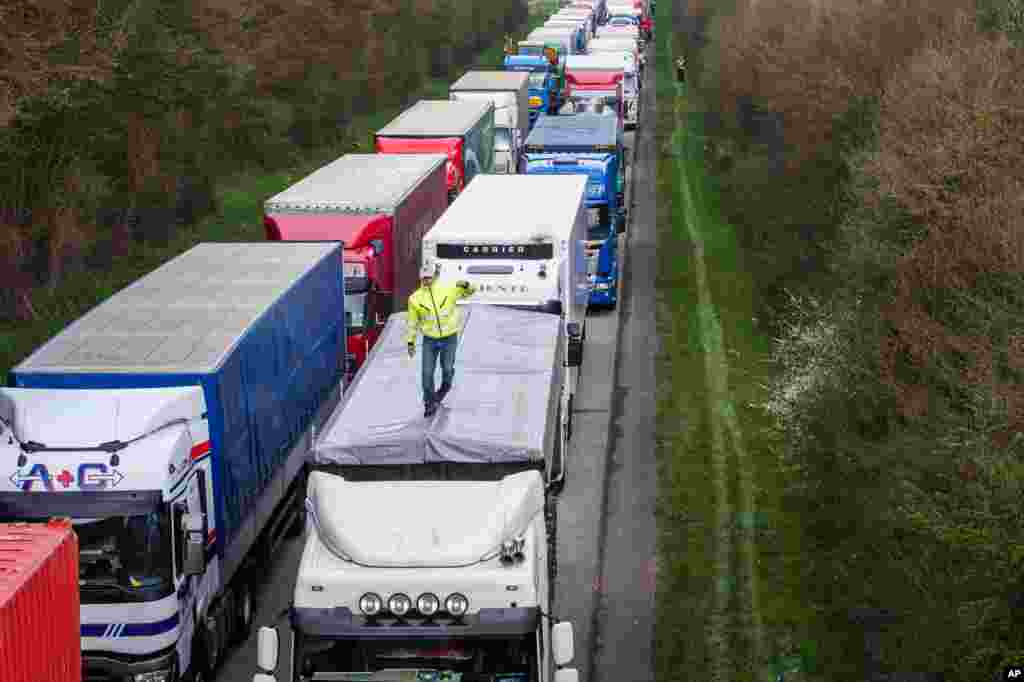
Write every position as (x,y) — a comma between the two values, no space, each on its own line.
(456,604)
(370,604)
(399,604)
(154,676)
(595,190)
(427,604)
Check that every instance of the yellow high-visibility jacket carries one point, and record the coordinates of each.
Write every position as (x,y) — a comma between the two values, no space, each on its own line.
(433,311)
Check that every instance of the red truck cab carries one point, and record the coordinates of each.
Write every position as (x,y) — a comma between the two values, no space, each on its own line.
(380,206)
(461,130)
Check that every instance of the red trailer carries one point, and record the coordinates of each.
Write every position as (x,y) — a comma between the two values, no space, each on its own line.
(40,612)
(380,206)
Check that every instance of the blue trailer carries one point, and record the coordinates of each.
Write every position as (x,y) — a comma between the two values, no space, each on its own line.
(544,94)
(171,423)
(592,145)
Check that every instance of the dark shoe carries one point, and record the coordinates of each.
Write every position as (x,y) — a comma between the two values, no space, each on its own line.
(442,393)
(429,410)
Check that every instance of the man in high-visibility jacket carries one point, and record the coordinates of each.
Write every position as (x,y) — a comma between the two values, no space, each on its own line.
(434,313)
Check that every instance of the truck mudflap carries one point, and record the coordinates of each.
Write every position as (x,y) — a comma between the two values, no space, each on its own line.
(340,622)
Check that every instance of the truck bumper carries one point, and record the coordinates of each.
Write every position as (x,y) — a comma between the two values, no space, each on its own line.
(100,667)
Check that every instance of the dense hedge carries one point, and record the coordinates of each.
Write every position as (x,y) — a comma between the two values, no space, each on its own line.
(120,116)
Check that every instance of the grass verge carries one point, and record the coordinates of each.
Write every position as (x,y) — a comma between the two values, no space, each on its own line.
(734,556)
(238,218)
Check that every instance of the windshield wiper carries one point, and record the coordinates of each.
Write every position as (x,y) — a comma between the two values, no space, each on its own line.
(88,586)
(111,446)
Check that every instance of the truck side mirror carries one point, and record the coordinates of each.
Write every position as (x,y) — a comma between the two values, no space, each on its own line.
(563,675)
(562,643)
(266,650)
(194,544)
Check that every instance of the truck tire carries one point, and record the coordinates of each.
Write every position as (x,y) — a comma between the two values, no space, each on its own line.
(201,671)
(298,524)
(211,648)
(245,611)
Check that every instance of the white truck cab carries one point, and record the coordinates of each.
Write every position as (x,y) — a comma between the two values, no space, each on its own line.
(451,584)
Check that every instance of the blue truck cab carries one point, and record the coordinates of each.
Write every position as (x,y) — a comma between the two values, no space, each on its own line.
(543,83)
(592,145)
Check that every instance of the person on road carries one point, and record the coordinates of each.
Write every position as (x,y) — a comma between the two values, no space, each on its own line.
(434,313)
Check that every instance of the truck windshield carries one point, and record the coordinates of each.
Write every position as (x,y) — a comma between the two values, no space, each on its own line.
(124,558)
(456,660)
(608,106)
(355,310)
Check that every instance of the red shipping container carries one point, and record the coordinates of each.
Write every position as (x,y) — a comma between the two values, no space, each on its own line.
(39,603)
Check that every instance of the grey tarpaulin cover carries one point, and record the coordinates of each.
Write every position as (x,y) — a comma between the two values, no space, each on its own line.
(503,406)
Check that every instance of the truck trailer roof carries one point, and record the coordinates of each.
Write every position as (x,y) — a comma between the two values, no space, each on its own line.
(499,411)
(602,61)
(186,316)
(490,81)
(357,183)
(575,131)
(512,207)
(436,118)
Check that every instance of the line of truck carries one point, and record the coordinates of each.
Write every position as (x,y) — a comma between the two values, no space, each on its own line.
(243,393)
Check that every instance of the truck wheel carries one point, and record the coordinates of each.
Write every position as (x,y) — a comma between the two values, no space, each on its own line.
(244,611)
(299,522)
(201,671)
(211,647)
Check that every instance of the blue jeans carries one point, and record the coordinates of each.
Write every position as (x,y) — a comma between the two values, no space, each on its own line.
(432,348)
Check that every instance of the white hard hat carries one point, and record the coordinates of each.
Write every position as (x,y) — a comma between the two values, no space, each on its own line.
(426,270)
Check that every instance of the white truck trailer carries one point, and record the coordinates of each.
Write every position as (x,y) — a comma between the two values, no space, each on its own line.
(520,240)
(413,581)
(503,415)
(510,92)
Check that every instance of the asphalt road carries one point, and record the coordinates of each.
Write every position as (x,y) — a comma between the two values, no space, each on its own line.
(606,528)
(606,531)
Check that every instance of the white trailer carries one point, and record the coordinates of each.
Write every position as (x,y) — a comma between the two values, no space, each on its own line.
(520,240)
(614,43)
(575,12)
(510,92)
(576,23)
(564,37)
(442,580)
(630,31)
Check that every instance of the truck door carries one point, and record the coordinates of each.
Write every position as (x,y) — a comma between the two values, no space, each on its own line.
(183,585)
(193,591)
